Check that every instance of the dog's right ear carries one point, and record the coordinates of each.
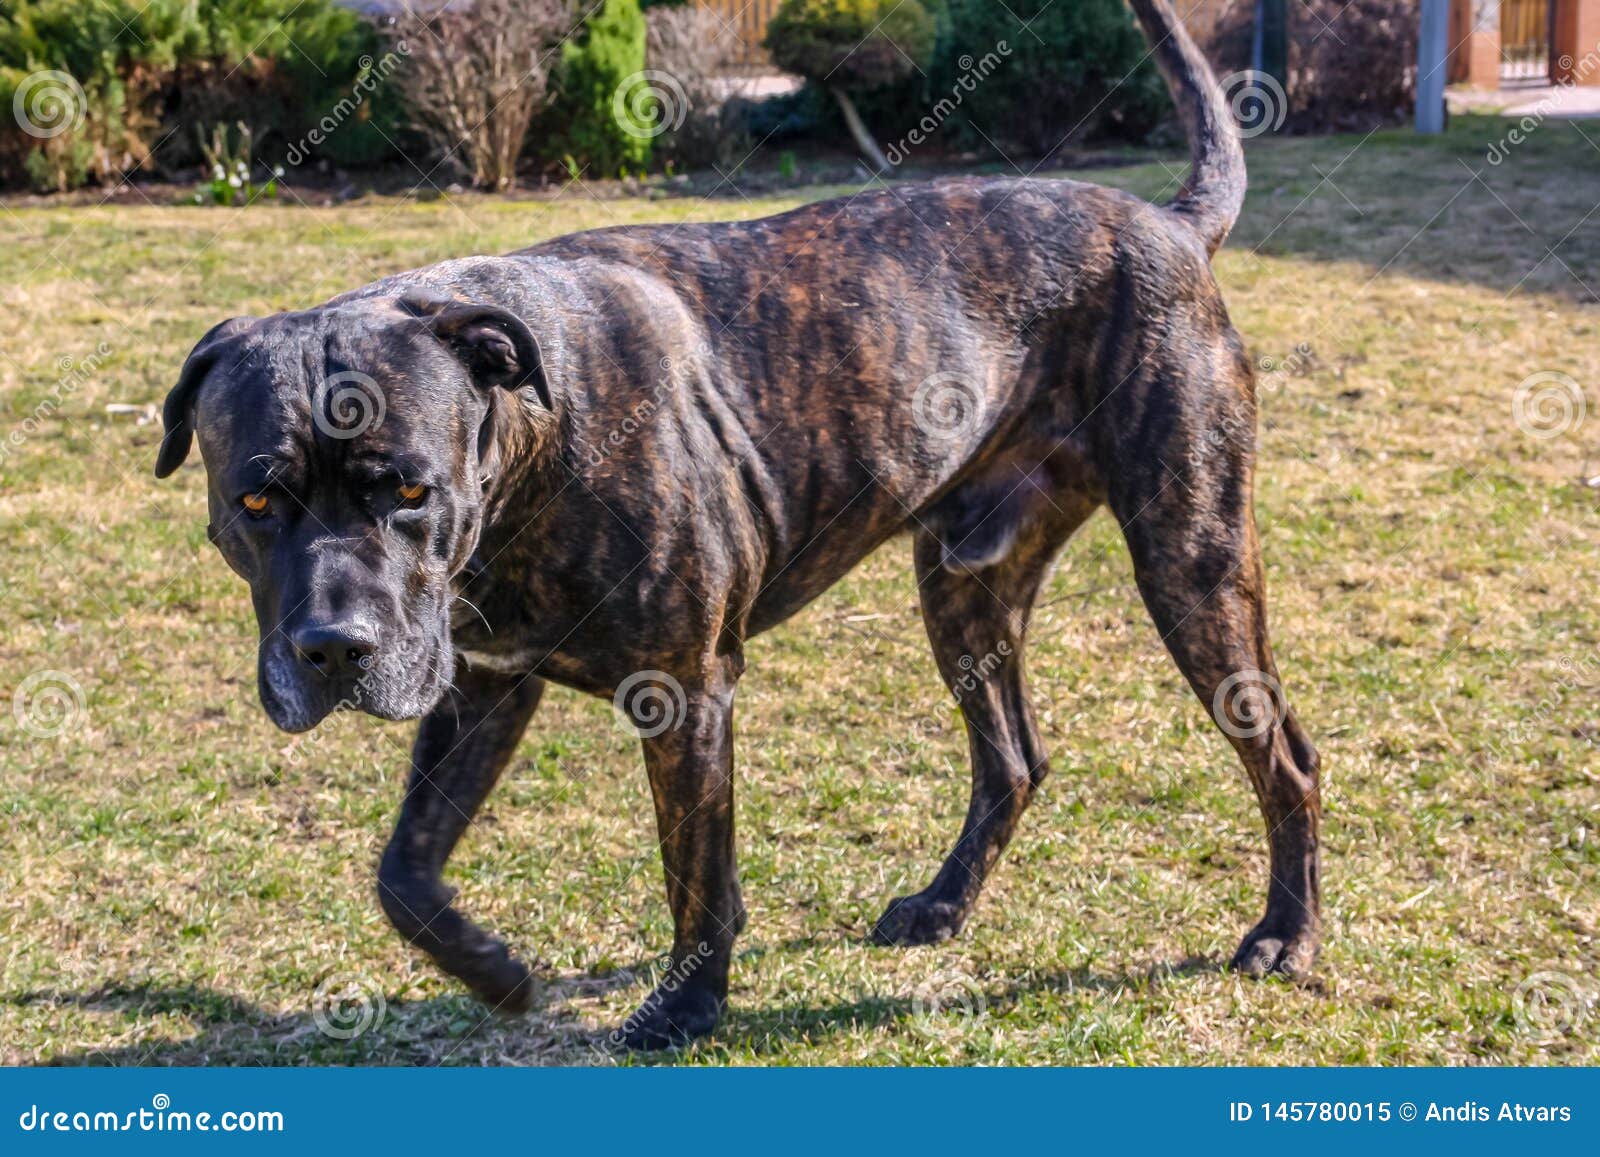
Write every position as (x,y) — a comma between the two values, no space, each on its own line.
(177,414)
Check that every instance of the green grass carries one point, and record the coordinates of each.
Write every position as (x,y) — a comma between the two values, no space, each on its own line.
(178,878)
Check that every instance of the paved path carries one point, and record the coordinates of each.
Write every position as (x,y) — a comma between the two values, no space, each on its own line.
(1555,100)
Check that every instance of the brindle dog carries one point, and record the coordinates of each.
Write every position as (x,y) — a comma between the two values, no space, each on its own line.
(617,456)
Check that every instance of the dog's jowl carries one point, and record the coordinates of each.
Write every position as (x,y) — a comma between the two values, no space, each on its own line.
(609,460)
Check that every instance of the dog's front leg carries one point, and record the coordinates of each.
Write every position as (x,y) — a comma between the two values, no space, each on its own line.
(463,746)
(691,779)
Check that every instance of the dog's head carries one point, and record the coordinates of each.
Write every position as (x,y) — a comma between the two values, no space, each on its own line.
(346,449)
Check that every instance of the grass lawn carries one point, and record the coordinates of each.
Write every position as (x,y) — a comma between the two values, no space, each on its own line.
(179,878)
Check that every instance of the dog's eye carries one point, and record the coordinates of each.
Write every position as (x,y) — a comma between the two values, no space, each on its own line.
(254,503)
(411,495)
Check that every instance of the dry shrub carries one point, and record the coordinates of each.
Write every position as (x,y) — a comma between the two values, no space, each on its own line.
(476,75)
(697,48)
(1360,70)
(1351,65)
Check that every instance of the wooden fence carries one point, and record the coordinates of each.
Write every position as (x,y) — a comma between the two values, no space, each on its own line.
(746,19)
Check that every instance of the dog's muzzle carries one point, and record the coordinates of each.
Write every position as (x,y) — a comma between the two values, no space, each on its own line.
(314,668)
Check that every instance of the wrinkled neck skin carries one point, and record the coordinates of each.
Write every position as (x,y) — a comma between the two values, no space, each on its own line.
(526,467)
(521,474)
(523,460)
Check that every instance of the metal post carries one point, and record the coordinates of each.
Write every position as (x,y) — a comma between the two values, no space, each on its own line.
(1432,44)
(1274,25)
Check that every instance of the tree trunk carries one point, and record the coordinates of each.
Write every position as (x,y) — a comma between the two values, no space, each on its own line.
(858,130)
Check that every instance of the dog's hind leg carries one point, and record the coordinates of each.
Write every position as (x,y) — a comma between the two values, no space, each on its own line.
(977,621)
(1198,565)
(461,749)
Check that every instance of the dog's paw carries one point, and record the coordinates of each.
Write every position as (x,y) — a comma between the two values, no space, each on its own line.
(505,984)
(1269,949)
(913,920)
(669,1020)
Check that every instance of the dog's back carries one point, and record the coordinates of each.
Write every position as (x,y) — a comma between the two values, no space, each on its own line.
(910,343)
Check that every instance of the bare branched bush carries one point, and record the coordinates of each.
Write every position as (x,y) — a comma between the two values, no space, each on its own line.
(1352,63)
(697,47)
(475,76)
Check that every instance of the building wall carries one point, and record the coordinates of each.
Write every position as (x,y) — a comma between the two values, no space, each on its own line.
(1475,43)
(1476,48)
(1576,59)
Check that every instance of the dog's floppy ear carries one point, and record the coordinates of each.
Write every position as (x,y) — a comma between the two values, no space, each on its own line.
(495,345)
(177,414)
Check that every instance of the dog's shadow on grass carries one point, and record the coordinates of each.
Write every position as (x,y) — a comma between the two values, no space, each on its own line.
(451,1029)
(945,998)
(368,1029)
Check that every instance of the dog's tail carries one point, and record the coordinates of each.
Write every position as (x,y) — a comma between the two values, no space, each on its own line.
(1214,194)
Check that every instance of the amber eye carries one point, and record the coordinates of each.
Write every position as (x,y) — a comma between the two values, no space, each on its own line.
(254,503)
(412,494)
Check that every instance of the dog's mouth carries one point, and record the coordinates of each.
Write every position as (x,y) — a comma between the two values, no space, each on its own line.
(398,681)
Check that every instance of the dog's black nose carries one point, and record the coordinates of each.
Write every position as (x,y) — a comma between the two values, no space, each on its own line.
(334,648)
